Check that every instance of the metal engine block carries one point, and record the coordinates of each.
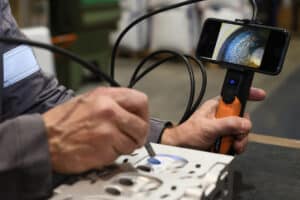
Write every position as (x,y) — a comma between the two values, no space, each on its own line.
(174,174)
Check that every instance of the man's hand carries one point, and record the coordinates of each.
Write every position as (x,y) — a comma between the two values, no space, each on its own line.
(202,129)
(92,130)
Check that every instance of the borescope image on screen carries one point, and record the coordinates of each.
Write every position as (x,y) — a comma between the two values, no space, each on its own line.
(241,45)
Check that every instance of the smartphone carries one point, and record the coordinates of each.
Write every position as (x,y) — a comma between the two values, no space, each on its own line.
(243,45)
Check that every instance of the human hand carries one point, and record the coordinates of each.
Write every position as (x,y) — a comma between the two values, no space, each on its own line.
(92,130)
(202,129)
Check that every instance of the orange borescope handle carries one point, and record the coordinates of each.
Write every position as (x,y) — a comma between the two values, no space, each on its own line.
(227,110)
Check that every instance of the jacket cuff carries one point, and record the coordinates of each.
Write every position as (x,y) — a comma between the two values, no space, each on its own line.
(34,157)
(157,128)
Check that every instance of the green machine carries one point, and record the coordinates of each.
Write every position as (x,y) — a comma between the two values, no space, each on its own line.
(91,22)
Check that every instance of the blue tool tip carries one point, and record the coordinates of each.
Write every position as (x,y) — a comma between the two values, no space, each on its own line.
(154,161)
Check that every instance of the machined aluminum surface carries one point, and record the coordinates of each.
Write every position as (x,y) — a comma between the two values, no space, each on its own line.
(174,174)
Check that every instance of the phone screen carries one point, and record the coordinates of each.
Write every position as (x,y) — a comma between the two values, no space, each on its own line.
(259,48)
(241,45)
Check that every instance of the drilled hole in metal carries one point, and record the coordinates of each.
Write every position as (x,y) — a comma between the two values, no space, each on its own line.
(113,191)
(164,196)
(144,168)
(126,182)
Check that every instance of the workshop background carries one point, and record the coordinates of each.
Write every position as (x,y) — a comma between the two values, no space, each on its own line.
(270,169)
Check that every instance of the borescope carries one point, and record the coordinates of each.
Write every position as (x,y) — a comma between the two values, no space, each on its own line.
(243,47)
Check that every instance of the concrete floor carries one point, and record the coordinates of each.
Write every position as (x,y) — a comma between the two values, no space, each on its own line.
(168,86)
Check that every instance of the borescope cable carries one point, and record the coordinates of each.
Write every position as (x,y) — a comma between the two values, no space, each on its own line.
(192,108)
(188,65)
(203,84)
(136,77)
(139,20)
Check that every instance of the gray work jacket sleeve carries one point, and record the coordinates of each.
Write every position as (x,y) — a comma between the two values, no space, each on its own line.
(156,129)
(25,170)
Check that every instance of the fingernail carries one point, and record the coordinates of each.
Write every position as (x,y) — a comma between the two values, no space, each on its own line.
(262,92)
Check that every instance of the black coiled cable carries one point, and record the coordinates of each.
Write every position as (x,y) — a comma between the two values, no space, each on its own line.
(192,105)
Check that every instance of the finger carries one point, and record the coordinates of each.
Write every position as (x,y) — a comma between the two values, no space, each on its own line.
(241,145)
(101,147)
(257,94)
(209,107)
(134,127)
(101,158)
(132,100)
(232,126)
(241,136)
(123,144)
